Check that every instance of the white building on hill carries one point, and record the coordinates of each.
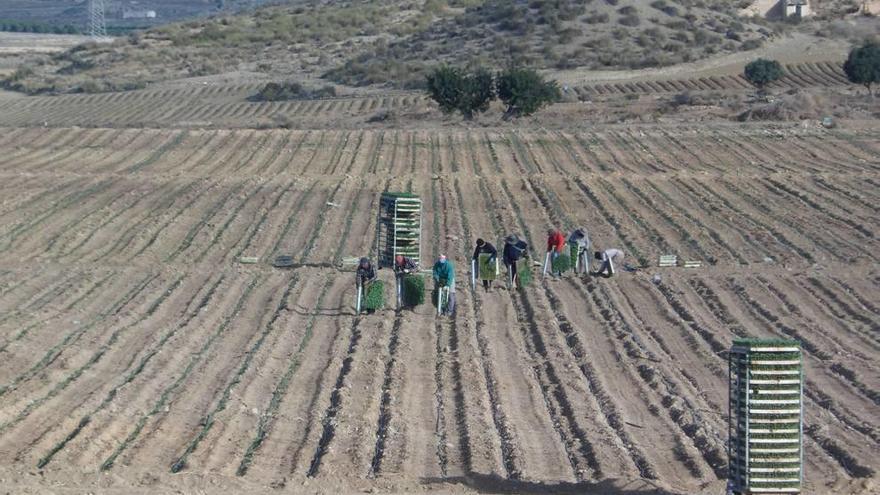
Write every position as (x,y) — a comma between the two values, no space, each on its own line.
(778,9)
(138,14)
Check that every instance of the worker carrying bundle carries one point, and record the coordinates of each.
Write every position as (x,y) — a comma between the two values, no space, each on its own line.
(555,248)
(485,262)
(579,243)
(444,283)
(365,277)
(410,285)
(515,249)
(607,259)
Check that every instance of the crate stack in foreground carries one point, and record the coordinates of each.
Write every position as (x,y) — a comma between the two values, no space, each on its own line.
(766,416)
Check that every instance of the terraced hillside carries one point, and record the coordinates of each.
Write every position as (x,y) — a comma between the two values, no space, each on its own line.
(224,105)
(215,105)
(132,341)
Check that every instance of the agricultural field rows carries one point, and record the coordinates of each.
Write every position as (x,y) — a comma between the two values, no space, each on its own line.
(133,341)
(228,105)
(225,105)
(801,75)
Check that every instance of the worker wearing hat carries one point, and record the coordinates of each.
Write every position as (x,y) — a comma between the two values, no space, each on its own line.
(484,247)
(514,249)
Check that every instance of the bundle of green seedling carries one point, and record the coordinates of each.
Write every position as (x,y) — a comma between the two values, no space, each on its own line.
(375,295)
(413,290)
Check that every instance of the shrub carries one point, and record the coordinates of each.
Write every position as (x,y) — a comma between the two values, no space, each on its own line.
(455,90)
(375,296)
(524,91)
(630,20)
(752,44)
(863,65)
(598,18)
(413,290)
(762,72)
(291,91)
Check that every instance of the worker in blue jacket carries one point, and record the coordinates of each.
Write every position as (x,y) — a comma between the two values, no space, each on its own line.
(444,276)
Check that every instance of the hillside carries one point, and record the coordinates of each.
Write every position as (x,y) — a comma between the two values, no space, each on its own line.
(75,12)
(392,42)
(303,38)
(389,41)
(562,34)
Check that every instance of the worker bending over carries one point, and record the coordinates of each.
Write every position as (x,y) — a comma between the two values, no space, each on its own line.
(366,274)
(555,245)
(484,247)
(514,249)
(580,238)
(607,259)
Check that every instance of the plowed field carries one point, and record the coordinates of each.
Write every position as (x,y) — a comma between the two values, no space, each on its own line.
(133,342)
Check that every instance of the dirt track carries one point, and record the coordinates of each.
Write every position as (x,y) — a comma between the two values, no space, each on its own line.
(132,341)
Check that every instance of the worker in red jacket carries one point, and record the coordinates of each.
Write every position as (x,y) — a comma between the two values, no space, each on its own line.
(555,245)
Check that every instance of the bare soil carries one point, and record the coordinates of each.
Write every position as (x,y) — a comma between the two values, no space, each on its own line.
(138,355)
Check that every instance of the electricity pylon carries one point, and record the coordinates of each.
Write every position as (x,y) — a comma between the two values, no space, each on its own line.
(97,26)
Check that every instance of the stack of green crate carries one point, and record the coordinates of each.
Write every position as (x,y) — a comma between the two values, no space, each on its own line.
(399,228)
(766,416)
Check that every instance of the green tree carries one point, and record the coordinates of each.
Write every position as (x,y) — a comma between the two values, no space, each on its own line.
(762,72)
(863,65)
(456,90)
(524,91)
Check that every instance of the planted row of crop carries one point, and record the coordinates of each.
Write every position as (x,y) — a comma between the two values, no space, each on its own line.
(74,335)
(166,395)
(158,154)
(61,205)
(190,236)
(385,402)
(509,459)
(134,369)
(573,437)
(95,358)
(137,227)
(448,342)
(328,421)
(791,218)
(51,292)
(680,409)
(233,215)
(866,327)
(606,405)
(709,196)
(46,299)
(207,421)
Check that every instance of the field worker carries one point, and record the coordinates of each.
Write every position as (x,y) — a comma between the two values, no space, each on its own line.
(484,247)
(404,265)
(365,272)
(444,276)
(555,246)
(608,258)
(514,249)
(580,238)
